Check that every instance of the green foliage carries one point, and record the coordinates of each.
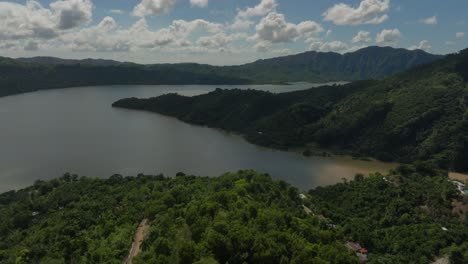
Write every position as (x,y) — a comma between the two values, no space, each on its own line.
(239,217)
(399,217)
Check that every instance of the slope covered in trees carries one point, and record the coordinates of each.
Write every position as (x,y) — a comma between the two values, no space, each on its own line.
(243,217)
(404,217)
(237,218)
(420,114)
(18,77)
(31,74)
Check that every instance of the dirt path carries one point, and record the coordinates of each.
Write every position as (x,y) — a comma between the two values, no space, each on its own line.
(140,234)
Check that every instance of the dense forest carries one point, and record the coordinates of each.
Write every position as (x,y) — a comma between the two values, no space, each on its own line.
(31,74)
(243,217)
(408,216)
(236,218)
(420,114)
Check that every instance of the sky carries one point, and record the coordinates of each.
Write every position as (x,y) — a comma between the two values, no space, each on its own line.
(225,32)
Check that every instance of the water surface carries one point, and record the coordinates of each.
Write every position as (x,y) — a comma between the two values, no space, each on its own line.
(45,134)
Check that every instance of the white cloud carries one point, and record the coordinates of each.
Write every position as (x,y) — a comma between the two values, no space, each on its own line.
(72,13)
(241,23)
(362,37)
(242,20)
(429,21)
(275,29)
(423,45)
(218,40)
(199,3)
(108,37)
(368,12)
(183,28)
(153,7)
(308,28)
(32,20)
(263,8)
(26,21)
(103,38)
(460,34)
(388,36)
(335,46)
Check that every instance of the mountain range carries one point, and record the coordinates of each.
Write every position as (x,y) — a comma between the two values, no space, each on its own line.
(31,74)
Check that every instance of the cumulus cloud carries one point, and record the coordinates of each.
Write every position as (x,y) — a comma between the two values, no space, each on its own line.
(368,12)
(388,36)
(33,21)
(26,21)
(429,21)
(153,7)
(334,46)
(362,37)
(183,27)
(218,40)
(107,36)
(275,29)
(242,20)
(103,38)
(72,13)
(263,8)
(199,3)
(460,34)
(423,45)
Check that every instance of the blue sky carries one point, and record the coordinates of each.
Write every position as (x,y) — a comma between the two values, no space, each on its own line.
(225,31)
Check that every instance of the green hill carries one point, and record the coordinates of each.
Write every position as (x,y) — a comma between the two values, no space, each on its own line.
(31,74)
(420,114)
(243,217)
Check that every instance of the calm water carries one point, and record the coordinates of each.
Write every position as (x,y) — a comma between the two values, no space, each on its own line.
(45,134)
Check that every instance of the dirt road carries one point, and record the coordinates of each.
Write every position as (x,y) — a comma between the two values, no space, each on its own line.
(140,234)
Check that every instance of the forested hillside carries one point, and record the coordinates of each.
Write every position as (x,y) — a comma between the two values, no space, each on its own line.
(19,77)
(408,216)
(31,74)
(420,114)
(242,217)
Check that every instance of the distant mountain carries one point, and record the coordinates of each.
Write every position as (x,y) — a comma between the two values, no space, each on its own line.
(30,74)
(420,114)
(366,63)
(58,61)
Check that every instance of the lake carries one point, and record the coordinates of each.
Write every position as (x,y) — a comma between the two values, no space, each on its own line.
(47,133)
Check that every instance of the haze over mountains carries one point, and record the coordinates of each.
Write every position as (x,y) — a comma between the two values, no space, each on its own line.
(30,74)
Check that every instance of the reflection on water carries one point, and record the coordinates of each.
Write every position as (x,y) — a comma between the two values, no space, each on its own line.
(48,133)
